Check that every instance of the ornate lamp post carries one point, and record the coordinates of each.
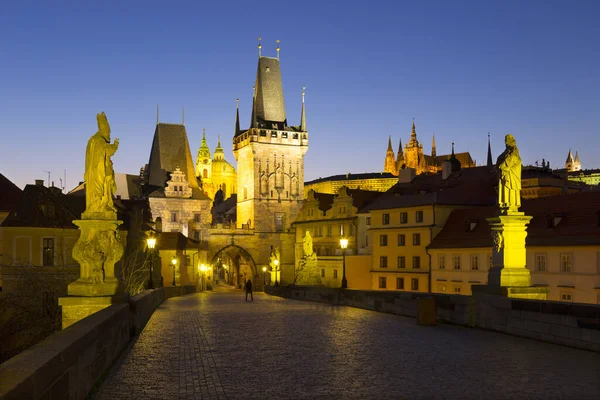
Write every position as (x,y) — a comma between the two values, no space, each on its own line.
(174,262)
(203,269)
(151,242)
(264,281)
(276,262)
(344,246)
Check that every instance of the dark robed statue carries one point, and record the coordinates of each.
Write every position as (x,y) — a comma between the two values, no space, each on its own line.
(509,166)
(99,175)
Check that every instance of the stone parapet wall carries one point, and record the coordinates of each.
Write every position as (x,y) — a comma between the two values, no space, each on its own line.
(569,324)
(69,363)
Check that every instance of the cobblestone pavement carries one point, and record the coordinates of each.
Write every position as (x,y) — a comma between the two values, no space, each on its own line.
(216,346)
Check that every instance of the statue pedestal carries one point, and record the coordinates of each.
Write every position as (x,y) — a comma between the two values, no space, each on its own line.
(75,308)
(97,251)
(509,275)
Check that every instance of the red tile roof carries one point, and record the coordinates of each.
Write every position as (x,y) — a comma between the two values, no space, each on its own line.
(577,217)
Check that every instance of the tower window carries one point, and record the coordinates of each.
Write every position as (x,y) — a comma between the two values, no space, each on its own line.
(205,173)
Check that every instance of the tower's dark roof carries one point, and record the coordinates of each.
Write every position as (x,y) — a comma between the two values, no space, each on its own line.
(269,91)
(9,194)
(170,149)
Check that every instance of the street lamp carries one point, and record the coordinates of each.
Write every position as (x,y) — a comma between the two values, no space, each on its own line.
(344,246)
(264,281)
(174,262)
(151,242)
(203,269)
(276,262)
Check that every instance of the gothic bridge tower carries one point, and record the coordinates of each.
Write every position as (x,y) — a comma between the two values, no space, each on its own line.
(270,156)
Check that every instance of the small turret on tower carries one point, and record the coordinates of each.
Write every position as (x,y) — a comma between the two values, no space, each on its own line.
(433,152)
(303,116)
(237,118)
(390,162)
(569,162)
(576,162)
(490,162)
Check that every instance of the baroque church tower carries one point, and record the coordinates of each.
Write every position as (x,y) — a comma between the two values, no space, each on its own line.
(270,156)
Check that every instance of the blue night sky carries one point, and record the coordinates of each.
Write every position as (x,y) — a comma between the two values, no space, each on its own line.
(461,69)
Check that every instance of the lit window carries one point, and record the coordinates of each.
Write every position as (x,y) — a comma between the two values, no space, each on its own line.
(403,217)
(196,217)
(173,217)
(382,282)
(456,262)
(416,262)
(442,261)
(48,251)
(540,262)
(383,240)
(401,240)
(414,284)
(401,262)
(383,262)
(341,229)
(441,287)
(566,263)
(474,263)
(419,216)
(416,239)
(400,283)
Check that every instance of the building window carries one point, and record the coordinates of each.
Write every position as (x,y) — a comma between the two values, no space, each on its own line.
(279,221)
(366,240)
(490,261)
(188,260)
(401,262)
(540,262)
(442,261)
(351,230)
(400,283)
(441,287)
(48,251)
(173,217)
(205,173)
(196,235)
(456,262)
(404,218)
(383,240)
(474,263)
(382,282)
(419,216)
(402,240)
(341,229)
(383,262)
(245,193)
(329,229)
(457,289)
(368,220)
(416,262)
(566,296)
(385,219)
(196,217)
(322,272)
(566,262)
(416,239)
(414,284)
(335,273)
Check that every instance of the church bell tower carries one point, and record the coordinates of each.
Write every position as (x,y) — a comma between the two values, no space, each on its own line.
(270,156)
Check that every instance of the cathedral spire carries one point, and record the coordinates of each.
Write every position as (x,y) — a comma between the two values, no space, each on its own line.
(237,117)
(569,157)
(303,116)
(413,135)
(390,144)
(400,151)
(253,118)
(577,157)
(433,152)
(490,162)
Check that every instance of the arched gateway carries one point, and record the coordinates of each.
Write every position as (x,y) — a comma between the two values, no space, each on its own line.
(235,264)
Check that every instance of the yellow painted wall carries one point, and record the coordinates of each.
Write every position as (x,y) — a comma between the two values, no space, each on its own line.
(358,272)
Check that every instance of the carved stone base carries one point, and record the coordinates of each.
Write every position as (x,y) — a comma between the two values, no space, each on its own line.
(75,308)
(514,277)
(81,287)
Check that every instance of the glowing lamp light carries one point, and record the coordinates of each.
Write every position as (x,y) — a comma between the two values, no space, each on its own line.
(174,260)
(344,243)
(276,262)
(264,269)
(203,268)
(151,241)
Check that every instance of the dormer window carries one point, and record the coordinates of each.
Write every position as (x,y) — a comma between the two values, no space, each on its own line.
(553,220)
(471,224)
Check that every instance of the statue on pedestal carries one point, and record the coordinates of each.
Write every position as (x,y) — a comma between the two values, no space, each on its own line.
(99,175)
(509,165)
(307,272)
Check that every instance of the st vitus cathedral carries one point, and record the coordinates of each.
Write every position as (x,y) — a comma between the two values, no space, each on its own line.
(412,156)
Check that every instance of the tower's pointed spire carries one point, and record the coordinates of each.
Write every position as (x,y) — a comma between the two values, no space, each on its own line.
(400,151)
(570,157)
(303,116)
(433,152)
(490,162)
(577,157)
(237,118)
(413,135)
(453,150)
(204,151)
(390,145)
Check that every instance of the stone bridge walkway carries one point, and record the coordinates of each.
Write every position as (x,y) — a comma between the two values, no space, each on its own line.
(216,346)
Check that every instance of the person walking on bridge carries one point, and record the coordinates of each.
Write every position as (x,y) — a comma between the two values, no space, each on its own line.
(248,289)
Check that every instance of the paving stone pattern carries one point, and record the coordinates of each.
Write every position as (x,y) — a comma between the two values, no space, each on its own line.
(217,346)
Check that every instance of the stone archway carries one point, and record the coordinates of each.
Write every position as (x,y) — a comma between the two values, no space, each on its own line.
(235,264)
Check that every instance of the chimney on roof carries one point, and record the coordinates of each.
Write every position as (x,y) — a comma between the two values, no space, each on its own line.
(406,175)
(39,182)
